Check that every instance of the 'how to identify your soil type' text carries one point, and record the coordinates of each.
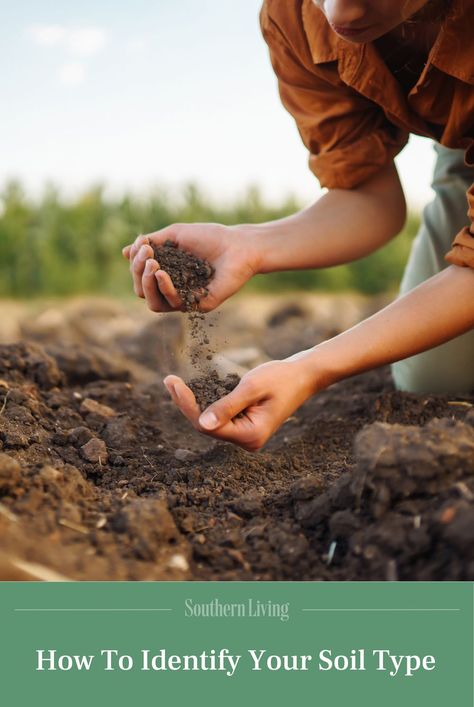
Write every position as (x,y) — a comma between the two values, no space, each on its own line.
(222,660)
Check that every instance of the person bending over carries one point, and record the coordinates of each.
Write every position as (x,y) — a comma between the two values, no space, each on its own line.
(358,76)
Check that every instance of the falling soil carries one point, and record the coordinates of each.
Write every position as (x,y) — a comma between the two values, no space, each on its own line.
(101,478)
(191,276)
(209,388)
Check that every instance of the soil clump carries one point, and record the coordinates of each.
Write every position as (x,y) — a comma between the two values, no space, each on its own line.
(209,388)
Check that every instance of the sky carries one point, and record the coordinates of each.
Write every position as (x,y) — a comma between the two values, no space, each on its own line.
(140,94)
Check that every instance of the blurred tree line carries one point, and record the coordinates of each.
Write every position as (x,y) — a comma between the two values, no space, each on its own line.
(53,246)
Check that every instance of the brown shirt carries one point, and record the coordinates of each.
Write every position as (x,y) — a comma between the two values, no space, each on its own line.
(353,114)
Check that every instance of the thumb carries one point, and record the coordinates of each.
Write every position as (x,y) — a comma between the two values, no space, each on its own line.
(225,409)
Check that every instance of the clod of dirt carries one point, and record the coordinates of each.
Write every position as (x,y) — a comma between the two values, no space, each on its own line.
(209,388)
(151,531)
(247,506)
(120,433)
(13,439)
(92,407)
(400,461)
(79,436)
(305,488)
(190,275)
(80,365)
(32,361)
(184,455)
(95,451)
(67,485)
(401,504)
(9,472)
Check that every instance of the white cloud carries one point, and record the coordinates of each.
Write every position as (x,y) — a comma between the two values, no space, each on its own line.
(86,41)
(72,74)
(80,41)
(47,35)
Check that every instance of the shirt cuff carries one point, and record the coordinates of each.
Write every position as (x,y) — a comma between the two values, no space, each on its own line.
(462,251)
(348,167)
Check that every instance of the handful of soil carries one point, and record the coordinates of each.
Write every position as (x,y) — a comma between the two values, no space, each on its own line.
(209,388)
(190,275)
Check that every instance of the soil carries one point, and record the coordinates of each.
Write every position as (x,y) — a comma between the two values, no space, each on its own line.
(102,478)
(209,388)
(191,276)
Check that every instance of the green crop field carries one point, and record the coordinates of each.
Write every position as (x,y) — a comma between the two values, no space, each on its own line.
(54,246)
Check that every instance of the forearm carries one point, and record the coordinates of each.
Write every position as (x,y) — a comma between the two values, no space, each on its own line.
(342,226)
(435,312)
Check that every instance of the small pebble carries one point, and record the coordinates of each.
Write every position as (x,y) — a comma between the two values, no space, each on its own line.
(183,455)
(95,451)
(89,406)
(178,562)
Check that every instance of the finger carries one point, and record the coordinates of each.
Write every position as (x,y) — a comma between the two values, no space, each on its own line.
(240,431)
(137,244)
(137,266)
(168,290)
(248,431)
(155,301)
(224,410)
(206,302)
(126,251)
(183,398)
(219,289)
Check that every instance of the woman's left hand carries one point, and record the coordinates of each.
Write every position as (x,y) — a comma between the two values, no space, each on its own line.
(265,397)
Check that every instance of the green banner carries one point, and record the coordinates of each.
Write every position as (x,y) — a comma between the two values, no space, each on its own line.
(242,643)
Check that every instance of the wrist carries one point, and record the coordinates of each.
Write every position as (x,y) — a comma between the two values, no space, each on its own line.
(311,371)
(257,240)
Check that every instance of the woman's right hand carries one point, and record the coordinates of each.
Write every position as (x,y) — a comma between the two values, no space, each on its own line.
(231,250)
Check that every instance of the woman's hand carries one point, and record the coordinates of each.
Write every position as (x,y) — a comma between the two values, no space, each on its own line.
(265,397)
(231,250)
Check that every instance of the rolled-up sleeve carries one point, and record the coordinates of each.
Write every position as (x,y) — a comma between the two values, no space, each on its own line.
(462,250)
(348,137)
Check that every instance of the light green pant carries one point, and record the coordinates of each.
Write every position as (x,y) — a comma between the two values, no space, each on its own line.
(448,368)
